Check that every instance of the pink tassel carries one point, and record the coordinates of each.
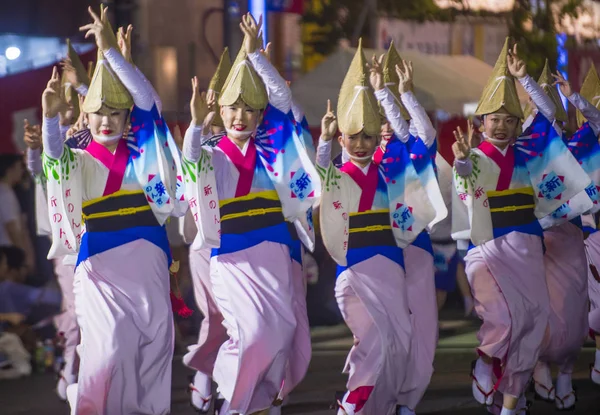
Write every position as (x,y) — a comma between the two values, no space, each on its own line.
(177,303)
(179,306)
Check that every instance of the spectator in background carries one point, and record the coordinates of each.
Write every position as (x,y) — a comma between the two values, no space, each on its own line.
(25,193)
(12,222)
(35,304)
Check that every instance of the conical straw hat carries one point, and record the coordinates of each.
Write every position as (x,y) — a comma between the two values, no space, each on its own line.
(500,91)
(357,108)
(217,81)
(391,79)
(546,81)
(590,90)
(106,88)
(243,82)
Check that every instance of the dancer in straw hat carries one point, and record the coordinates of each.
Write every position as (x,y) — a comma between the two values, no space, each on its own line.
(244,195)
(124,189)
(506,184)
(368,213)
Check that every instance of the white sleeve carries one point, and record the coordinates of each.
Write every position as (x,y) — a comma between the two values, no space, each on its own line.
(542,101)
(297,111)
(157,100)
(82,90)
(192,143)
(588,110)
(279,93)
(392,112)
(52,141)
(324,153)
(422,122)
(142,95)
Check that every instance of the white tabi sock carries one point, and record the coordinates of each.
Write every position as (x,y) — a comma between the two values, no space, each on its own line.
(483,373)
(595,375)
(203,384)
(506,411)
(564,387)
(543,381)
(72,391)
(201,392)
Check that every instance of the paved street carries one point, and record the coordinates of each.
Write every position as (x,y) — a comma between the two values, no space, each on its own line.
(449,392)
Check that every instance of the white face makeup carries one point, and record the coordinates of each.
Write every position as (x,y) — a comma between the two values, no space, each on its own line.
(107,125)
(359,147)
(240,120)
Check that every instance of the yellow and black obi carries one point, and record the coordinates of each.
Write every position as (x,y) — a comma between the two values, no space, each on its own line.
(370,234)
(513,210)
(249,220)
(117,219)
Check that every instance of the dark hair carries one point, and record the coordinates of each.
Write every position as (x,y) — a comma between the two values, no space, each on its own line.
(15,257)
(7,161)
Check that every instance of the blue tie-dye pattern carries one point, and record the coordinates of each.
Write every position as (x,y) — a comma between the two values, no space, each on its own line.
(274,145)
(143,154)
(393,253)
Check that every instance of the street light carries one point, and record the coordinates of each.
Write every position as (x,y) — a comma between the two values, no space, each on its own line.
(12,53)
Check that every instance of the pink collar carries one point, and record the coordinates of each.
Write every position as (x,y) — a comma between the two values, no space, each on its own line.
(116,163)
(245,164)
(505,162)
(366,182)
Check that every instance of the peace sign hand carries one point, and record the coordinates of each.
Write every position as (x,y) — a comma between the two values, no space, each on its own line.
(52,99)
(516,65)
(105,38)
(376,77)
(405,73)
(252,32)
(462,147)
(124,41)
(563,84)
(328,124)
(199,108)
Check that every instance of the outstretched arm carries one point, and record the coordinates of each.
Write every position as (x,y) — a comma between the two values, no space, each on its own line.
(423,125)
(422,122)
(199,129)
(51,105)
(107,43)
(328,130)
(386,98)
(393,114)
(518,69)
(280,95)
(588,110)
(462,149)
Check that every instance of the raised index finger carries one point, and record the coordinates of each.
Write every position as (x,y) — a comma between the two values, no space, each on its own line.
(328,106)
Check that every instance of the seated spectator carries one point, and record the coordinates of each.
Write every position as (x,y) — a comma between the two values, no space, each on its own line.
(11,172)
(34,304)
